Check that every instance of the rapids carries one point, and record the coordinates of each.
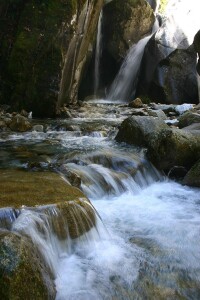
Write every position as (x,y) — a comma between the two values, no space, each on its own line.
(146,241)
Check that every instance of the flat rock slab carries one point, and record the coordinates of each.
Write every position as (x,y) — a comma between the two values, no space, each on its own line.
(19,188)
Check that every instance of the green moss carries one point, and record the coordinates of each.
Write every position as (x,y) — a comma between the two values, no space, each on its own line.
(23,275)
(19,188)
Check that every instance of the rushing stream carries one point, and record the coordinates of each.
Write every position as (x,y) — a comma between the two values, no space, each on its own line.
(146,242)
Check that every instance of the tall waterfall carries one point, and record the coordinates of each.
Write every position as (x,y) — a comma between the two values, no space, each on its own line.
(98,55)
(124,85)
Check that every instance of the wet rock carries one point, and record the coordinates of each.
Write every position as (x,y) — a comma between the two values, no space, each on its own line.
(38,128)
(193,126)
(23,274)
(48,192)
(166,108)
(177,172)
(192,178)
(20,123)
(136,129)
(157,113)
(137,103)
(188,118)
(166,147)
(173,147)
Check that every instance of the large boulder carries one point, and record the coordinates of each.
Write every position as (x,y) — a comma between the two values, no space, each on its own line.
(137,129)
(173,147)
(166,147)
(125,23)
(44,48)
(23,273)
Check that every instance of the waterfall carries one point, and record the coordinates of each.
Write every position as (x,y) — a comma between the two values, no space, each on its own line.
(98,55)
(53,229)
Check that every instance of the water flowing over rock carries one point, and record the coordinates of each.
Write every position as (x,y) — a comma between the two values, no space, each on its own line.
(131,251)
(125,24)
(45,46)
(43,211)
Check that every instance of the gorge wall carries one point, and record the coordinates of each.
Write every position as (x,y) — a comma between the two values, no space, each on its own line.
(44,46)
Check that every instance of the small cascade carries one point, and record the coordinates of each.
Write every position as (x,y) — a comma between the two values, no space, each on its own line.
(124,86)
(108,174)
(98,55)
(54,228)
(7,216)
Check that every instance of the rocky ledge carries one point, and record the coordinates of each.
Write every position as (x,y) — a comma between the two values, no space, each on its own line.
(171,135)
(36,204)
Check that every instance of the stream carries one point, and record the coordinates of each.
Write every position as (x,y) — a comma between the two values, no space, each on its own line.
(146,244)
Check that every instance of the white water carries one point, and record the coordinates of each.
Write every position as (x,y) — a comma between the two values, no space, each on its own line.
(157,227)
(147,245)
(125,82)
(98,55)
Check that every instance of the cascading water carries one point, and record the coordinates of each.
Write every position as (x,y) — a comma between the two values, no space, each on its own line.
(98,53)
(124,85)
(147,244)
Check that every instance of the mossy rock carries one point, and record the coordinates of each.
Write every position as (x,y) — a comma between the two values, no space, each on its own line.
(136,129)
(37,38)
(47,192)
(23,275)
(169,148)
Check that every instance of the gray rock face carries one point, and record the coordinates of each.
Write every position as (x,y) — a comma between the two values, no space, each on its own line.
(78,51)
(126,22)
(44,48)
(20,123)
